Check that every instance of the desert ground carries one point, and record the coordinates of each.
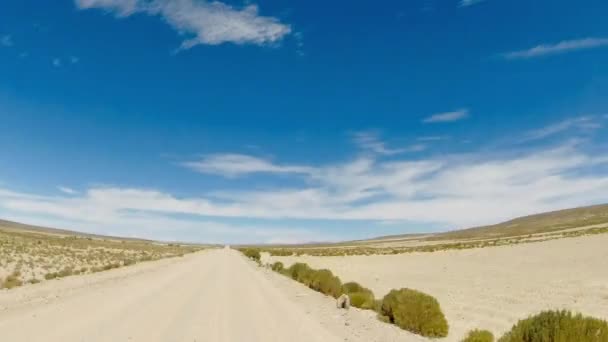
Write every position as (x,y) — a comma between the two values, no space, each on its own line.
(33,256)
(59,285)
(488,288)
(214,295)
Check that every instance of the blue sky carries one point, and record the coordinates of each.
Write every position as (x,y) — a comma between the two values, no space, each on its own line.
(303,121)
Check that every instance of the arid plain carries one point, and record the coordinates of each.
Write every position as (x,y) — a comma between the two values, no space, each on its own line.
(110,288)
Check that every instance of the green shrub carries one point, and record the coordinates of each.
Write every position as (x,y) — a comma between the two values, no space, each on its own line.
(352,286)
(278,266)
(360,297)
(11,281)
(323,281)
(253,254)
(558,326)
(50,276)
(479,336)
(65,272)
(378,305)
(363,300)
(299,271)
(416,312)
(326,282)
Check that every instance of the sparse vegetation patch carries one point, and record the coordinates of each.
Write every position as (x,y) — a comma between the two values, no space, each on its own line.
(416,312)
(558,326)
(278,266)
(479,336)
(28,257)
(360,297)
(252,253)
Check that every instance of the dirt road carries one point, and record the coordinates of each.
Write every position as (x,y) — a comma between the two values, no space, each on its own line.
(216,295)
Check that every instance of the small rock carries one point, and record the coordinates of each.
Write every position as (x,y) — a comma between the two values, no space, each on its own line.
(343,302)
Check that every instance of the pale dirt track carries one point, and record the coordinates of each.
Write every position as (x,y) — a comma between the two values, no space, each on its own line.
(215,295)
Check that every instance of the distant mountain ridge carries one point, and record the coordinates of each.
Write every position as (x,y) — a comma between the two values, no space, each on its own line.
(525,225)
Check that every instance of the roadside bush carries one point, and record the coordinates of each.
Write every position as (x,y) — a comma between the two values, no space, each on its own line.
(479,336)
(416,312)
(11,281)
(360,297)
(50,276)
(326,282)
(299,271)
(362,300)
(65,272)
(253,254)
(278,266)
(323,281)
(558,326)
(352,286)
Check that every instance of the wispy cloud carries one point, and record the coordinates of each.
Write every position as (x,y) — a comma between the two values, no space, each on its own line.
(467,3)
(584,123)
(371,142)
(57,62)
(432,138)
(233,165)
(207,22)
(67,190)
(561,47)
(6,41)
(447,116)
(452,191)
(74,59)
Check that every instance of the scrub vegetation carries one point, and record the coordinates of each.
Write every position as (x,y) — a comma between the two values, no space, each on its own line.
(479,336)
(567,223)
(30,257)
(415,311)
(429,248)
(411,310)
(558,326)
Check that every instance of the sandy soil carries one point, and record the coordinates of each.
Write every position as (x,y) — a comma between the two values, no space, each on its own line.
(215,295)
(489,288)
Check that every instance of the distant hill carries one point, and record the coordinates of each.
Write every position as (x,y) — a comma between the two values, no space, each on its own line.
(21,227)
(10,226)
(526,225)
(533,224)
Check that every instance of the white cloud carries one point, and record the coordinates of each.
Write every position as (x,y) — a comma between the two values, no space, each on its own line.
(561,47)
(448,116)
(451,191)
(56,62)
(448,191)
(74,59)
(67,190)
(6,41)
(369,141)
(432,138)
(467,3)
(121,7)
(232,165)
(584,123)
(205,22)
